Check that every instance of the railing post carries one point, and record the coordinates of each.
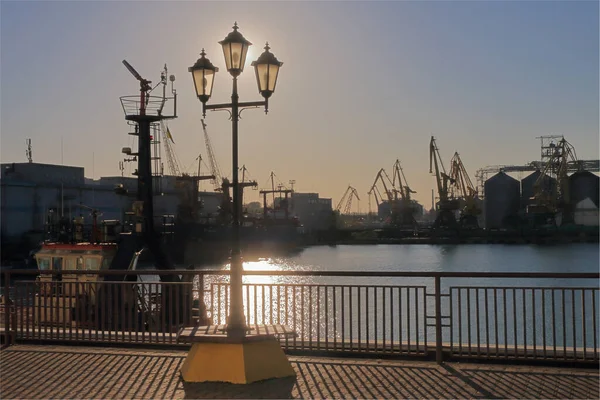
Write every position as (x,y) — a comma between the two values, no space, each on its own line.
(438,321)
(7,318)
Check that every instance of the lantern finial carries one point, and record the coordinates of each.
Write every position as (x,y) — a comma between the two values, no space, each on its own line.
(235,26)
(267,48)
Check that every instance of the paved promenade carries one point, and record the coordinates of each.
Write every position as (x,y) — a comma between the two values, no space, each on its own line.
(98,372)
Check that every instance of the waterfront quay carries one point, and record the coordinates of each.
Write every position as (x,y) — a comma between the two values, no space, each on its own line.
(51,372)
(358,334)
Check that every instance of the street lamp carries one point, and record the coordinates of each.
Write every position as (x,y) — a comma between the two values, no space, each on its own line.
(235,49)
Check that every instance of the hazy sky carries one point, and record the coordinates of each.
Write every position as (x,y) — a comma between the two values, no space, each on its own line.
(363,83)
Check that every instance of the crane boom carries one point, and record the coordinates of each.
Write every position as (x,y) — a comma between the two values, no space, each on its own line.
(172,162)
(214,167)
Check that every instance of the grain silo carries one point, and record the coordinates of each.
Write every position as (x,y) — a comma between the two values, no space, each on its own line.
(502,200)
(527,187)
(584,184)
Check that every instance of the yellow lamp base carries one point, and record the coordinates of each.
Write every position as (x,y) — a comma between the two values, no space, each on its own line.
(240,363)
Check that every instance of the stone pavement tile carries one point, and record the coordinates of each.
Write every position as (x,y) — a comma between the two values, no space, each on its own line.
(100,372)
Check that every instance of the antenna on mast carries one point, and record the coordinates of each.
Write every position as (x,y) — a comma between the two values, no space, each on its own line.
(28,152)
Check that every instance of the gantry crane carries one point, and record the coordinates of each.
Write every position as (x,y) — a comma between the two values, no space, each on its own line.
(549,200)
(446,205)
(346,199)
(464,189)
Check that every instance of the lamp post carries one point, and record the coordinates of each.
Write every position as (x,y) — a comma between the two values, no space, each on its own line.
(235,49)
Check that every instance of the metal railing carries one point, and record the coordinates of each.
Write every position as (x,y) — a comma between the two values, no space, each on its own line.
(517,316)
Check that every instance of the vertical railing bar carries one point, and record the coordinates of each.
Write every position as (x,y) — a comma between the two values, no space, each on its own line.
(310,317)
(295,317)
(263,292)
(375,317)
(553,323)
(255,303)
(271,304)
(391,319)
(438,320)
(278,302)
(123,315)
(417,318)
(408,317)
(477,321)
(178,305)
(131,312)
(505,323)
(450,309)
(166,324)
(350,325)
(515,320)
(524,297)
(326,318)
(343,338)
(400,344)
(544,321)
(383,317)
(218,304)
(469,319)
(368,343)
(425,328)
(574,324)
(64,311)
(31,304)
(334,318)
(302,310)
(359,319)
(487,322)
(351,317)
(26,311)
(496,320)
(594,324)
(78,313)
(247,304)
(533,312)
(460,341)
(583,327)
(46,312)
(53,295)
(136,310)
(564,325)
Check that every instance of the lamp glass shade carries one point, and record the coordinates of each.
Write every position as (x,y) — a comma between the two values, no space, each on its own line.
(267,69)
(203,73)
(203,80)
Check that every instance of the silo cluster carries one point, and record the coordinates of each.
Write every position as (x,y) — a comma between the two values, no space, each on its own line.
(506,199)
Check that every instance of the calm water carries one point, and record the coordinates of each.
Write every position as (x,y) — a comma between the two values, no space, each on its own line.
(457,258)
(501,308)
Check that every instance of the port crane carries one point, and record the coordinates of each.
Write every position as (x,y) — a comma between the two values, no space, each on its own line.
(404,208)
(446,205)
(346,200)
(551,200)
(217,181)
(388,193)
(186,184)
(281,191)
(463,187)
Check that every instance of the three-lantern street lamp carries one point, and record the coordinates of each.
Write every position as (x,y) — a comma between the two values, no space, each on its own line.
(266,67)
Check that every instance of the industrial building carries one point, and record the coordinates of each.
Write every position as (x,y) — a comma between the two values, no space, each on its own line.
(31,191)
(314,212)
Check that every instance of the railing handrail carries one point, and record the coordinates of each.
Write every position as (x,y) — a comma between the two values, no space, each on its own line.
(373,274)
